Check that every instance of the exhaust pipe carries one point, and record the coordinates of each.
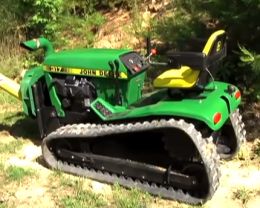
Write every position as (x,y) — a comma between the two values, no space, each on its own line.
(10,86)
(35,44)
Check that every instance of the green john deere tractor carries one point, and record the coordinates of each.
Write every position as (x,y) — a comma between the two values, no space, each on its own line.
(96,122)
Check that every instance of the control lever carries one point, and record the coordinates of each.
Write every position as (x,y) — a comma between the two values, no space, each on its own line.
(153,52)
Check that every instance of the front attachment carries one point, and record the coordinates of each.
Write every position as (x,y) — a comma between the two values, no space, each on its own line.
(10,86)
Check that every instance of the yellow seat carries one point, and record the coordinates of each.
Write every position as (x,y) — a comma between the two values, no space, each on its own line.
(191,64)
(177,78)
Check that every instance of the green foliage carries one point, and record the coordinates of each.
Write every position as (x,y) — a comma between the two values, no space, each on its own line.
(250,58)
(195,17)
(112,4)
(142,25)
(220,14)
(11,15)
(11,59)
(251,62)
(84,8)
(52,18)
(79,7)
(83,33)
(60,20)
(45,16)
(177,29)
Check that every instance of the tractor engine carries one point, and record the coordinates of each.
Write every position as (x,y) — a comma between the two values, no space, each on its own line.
(75,93)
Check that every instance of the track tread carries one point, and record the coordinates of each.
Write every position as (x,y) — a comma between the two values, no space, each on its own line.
(206,149)
(240,133)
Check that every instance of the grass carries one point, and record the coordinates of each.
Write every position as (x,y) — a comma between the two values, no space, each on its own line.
(3,205)
(2,171)
(256,149)
(11,147)
(70,192)
(194,206)
(75,183)
(83,198)
(70,183)
(6,99)
(133,198)
(244,153)
(76,193)
(242,194)
(80,196)
(249,153)
(11,57)
(14,121)
(11,65)
(11,115)
(14,173)
(65,181)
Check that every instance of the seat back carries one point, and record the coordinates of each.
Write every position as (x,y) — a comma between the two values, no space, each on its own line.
(216,44)
(215,50)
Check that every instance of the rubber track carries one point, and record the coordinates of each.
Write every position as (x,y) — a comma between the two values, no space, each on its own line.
(205,147)
(238,125)
(240,133)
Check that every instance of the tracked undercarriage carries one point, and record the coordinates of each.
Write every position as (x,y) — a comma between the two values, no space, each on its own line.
(81,150)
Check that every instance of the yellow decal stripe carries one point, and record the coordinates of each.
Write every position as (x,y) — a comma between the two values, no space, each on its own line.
(86,72)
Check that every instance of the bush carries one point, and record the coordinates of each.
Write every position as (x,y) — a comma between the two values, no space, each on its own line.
(251,61)
(12,17)
(81,32)
(214,14)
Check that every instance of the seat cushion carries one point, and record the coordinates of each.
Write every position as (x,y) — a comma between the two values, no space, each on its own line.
(185,77)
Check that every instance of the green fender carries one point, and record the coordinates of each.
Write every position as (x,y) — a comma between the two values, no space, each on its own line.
(204,108)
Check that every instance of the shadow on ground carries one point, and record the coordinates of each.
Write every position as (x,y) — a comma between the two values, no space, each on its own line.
(24,127)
